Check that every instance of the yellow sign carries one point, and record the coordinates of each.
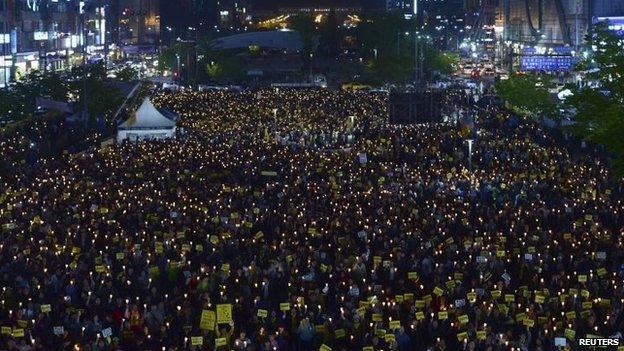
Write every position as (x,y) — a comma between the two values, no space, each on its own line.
(208,320)
(570,334)
(324,348)
(262,313)
(224,313)
(100,269)
(285,306)
(197,340)
(528,322)
(220,342)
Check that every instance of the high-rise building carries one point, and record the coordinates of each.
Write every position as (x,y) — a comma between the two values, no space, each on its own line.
(553,22)
(139,22)
(407,6)
(49,35)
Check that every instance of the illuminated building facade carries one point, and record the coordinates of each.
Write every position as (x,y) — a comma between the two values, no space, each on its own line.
(553,22)
(49,34)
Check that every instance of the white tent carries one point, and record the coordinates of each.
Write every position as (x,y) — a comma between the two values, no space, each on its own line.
(146,123)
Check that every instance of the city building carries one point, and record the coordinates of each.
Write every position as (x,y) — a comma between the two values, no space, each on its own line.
(407,6)
(547,35)
(49,35)
(139,22)
(553,22)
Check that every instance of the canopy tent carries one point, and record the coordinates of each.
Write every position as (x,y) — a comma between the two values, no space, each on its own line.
(147,123)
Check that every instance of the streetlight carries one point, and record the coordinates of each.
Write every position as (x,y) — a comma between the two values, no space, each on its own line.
(179,73)
(470,141)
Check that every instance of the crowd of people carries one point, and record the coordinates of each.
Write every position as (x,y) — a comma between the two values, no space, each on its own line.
(286,219)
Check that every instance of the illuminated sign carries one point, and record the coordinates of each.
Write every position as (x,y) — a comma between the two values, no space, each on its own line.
(547,63)
(40,35)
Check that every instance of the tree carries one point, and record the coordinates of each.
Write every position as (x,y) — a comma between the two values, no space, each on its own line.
(103,98)
(329,36)
(388,43)
(600,112)
(444,62)
(8,104)
(177,58)
(392,67)
(127,74)
(304,25)
(222,65)
(18,99)
(167,60)
(528,93)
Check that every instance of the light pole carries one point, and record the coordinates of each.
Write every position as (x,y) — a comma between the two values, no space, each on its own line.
(470,141)
(179,73)
(85,74)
